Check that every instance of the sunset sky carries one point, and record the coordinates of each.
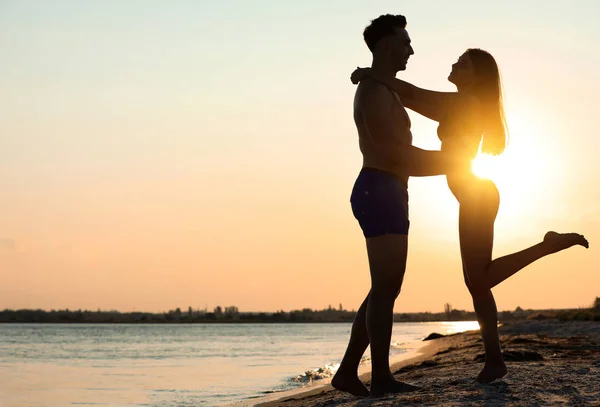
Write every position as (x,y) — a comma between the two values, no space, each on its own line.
(158,154)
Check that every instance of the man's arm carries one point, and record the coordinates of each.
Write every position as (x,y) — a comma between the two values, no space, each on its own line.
(376,108)
(416,162)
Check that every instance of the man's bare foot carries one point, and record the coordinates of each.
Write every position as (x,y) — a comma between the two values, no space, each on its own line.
(491,372)
(349,383)
(561,241)
(391,386)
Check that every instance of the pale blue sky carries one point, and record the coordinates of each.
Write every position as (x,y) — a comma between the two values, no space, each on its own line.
(218,138)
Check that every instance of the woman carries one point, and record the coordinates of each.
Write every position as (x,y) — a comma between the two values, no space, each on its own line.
(472,116)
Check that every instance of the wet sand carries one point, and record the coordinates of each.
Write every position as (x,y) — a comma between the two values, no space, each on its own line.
(550,363)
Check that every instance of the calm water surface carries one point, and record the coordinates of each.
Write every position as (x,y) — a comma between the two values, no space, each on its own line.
(58,365)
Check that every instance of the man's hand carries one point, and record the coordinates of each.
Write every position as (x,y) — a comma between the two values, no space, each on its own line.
(359,74)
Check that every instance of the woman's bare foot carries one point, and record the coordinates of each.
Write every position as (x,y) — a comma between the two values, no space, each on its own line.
(391,386)
(561,241)
(491,372)
(349,383)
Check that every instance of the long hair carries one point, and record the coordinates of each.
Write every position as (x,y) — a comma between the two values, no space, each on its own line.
(489,91)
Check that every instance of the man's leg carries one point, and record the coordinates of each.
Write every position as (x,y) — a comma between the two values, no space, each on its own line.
(346,378)
(387,263)
(380,204)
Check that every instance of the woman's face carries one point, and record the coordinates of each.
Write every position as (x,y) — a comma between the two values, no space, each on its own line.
(462,74)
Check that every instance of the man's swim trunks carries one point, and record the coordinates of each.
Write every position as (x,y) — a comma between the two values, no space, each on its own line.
(380,203)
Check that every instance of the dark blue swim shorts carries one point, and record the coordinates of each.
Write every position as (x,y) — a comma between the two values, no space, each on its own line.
(380,203)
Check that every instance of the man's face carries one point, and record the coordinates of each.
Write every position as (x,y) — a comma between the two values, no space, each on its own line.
(399,48)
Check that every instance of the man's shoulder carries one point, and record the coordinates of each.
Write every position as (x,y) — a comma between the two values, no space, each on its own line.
(371,92)
(370,86)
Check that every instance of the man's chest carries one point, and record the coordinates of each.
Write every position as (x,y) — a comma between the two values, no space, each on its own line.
(399,114)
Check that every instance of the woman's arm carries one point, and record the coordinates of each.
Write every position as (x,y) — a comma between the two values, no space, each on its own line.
(424,109)
(431,104)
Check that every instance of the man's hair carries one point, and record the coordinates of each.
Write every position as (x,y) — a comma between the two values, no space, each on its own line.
(382,26)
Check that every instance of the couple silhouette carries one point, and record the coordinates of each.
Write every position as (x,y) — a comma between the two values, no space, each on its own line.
(470,118)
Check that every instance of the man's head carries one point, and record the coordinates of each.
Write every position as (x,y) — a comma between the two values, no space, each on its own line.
(388,40)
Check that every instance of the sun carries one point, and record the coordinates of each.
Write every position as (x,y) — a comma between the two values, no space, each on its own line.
(486,166)
(526,174)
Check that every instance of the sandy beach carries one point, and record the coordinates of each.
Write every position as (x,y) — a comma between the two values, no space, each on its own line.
(550,363)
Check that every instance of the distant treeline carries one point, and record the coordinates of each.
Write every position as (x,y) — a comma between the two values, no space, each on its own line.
(233,315)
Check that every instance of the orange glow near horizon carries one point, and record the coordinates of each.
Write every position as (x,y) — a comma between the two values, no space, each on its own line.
(204,155)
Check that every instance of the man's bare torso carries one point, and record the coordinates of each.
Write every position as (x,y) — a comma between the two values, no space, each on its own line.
(400,125)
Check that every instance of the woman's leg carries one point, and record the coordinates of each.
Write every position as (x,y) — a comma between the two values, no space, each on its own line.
(476,229)
(503,267)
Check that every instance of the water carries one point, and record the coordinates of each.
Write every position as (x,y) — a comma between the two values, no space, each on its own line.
(203,365)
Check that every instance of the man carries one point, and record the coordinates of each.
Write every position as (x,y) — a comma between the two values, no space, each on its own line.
(380,204)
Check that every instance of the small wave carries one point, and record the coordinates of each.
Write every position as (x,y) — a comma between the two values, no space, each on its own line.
(396,348)
(271,391)
(327,371)
(323,372)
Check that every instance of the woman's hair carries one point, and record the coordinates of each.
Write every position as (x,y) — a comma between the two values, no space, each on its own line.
(488,89)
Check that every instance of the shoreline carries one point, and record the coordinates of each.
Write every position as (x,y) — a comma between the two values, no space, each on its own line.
(549,363)
(418,352)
